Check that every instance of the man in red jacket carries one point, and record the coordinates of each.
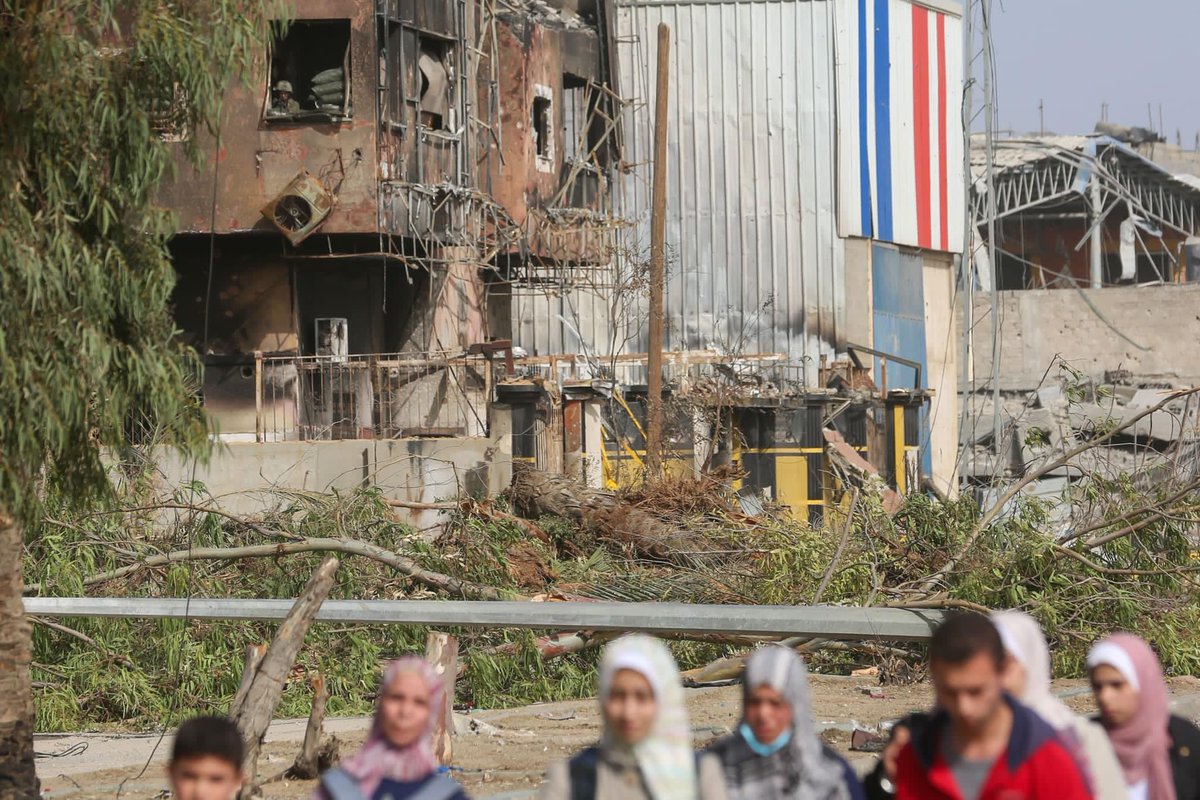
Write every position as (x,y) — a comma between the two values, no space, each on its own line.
(981,744)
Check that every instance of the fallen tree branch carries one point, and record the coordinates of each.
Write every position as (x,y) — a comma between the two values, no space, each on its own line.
(416,505)
(83,637)
(252,525)
(990,516)
(1156,509)
(267,683)
(483,510)
(536,493)
(405,566)
(841,548)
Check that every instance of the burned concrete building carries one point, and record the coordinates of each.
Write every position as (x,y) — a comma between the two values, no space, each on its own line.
(418,252)
(342,241)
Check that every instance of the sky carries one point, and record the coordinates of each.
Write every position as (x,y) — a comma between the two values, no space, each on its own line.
(1076,55)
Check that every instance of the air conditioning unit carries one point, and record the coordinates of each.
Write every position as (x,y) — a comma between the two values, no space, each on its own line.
(300,208)
(332,337)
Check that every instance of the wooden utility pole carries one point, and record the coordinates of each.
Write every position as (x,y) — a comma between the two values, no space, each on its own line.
(658,223)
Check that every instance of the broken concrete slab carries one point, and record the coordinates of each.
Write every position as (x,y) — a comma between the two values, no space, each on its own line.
(979,429)
(1049,396)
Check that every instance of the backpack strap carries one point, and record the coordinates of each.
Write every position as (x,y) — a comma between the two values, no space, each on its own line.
(438,787)
(582,771)
(338,784)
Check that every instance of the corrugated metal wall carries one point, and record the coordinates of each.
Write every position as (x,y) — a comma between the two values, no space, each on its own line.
(755,263)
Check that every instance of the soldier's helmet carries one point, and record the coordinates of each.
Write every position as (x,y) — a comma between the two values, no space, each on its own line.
(284,86)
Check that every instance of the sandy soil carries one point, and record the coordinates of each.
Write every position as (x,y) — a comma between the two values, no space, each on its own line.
(506,756)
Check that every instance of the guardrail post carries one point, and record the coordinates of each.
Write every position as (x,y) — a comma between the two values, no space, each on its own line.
(258,396)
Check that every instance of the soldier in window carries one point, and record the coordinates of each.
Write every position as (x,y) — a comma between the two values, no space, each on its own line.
(284,102)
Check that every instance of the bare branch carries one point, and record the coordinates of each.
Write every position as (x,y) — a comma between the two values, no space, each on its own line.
(990,516)
(402,564)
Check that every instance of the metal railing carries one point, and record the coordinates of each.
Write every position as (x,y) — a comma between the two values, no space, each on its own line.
(373,396)
(827,622)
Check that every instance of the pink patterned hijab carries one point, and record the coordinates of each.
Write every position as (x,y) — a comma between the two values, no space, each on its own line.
(1142,744)
(378,758)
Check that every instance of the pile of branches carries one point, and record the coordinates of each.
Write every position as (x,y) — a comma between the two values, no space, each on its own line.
(682,539)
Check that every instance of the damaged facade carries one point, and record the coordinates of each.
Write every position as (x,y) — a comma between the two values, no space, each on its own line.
(1096,276)
(1085,211)
(445,241)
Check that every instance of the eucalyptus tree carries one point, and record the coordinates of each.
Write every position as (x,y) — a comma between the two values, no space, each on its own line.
(98,103)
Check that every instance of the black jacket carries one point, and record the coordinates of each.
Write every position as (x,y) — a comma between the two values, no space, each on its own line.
(1185,758)
(874,786)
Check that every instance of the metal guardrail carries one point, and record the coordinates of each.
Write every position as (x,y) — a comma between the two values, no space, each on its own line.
(826,622)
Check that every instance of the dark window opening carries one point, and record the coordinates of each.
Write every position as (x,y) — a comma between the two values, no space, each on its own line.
(542,126)
(310,70)
(436,72)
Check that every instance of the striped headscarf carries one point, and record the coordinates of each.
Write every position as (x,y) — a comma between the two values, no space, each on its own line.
(665,757)
(378,758)
(802,769)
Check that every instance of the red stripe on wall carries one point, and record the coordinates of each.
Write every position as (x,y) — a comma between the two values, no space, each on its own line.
(920,29)
(943,132)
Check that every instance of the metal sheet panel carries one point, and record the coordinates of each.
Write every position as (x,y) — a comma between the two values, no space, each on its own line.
(900,134)
(754,260)
(897,286)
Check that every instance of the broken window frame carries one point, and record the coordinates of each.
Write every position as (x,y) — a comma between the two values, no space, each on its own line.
(308,115)
(445,59)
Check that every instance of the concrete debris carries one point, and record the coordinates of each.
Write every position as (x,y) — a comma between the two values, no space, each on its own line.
(1046,423)
(1050,396)
(464,726)
(846,458)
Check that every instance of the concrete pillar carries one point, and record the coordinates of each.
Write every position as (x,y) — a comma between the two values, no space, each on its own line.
(593,443)
(458,292)
(1096,248)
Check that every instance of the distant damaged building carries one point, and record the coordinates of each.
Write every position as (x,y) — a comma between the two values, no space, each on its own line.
(417,253)
(1083,211)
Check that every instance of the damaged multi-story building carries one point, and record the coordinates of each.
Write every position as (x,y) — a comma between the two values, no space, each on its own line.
(417,253)
(1086,280)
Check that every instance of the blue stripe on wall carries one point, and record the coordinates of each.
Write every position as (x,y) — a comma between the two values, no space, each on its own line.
(883,119)
(864,150)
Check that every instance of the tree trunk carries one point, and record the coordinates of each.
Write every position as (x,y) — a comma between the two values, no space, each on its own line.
(266,687)
(441,650)
(535,493)
(18,779)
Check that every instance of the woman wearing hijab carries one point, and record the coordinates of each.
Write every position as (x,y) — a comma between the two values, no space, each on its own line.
(776,753)
(1027,677)
(646,750)
(1159,753)
(397,762)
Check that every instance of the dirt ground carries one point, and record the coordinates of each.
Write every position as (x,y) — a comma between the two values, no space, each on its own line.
(505,754)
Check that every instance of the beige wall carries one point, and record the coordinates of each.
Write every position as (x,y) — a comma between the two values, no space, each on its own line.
(941,348)
(860,328)
(1150,331)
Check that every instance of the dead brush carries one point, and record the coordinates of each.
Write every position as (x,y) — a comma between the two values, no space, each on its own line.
(687,496)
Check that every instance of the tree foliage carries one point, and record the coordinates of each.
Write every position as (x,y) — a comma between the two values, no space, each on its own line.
(88,342)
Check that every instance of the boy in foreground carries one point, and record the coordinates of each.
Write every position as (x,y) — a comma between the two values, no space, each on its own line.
(980,743)
(206,760)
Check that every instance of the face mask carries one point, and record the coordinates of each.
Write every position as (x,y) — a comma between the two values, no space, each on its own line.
(764,749)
